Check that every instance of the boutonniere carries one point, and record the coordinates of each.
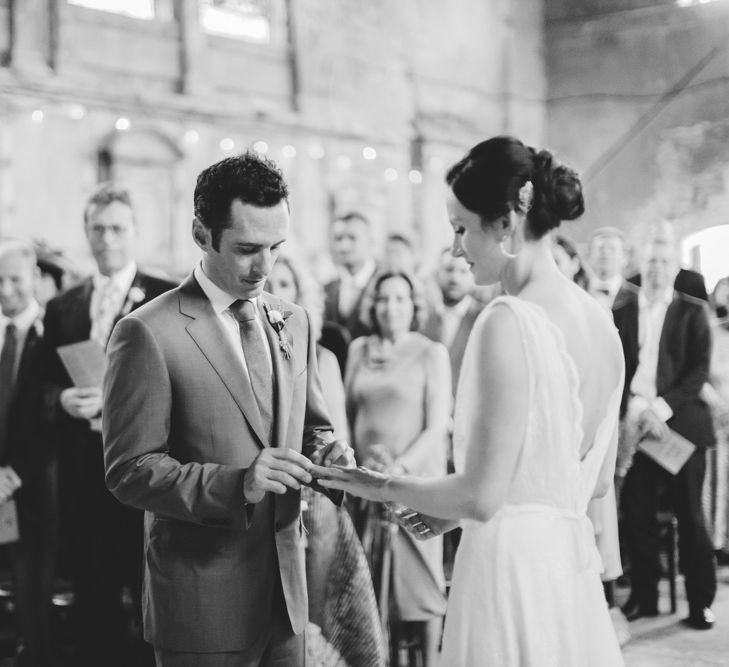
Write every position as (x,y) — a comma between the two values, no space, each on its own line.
(38,327)
(136,295)
(277,320)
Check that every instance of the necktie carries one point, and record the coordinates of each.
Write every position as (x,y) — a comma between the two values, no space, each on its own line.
(105,312)
(7,379)
(256,356)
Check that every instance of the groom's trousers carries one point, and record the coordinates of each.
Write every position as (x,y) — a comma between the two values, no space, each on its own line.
(278,647)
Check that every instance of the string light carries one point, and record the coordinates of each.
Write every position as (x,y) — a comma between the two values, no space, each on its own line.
(76,112)
(227,144)
(415,177)
(369,153)
(192,136)
(288,151)
(260,147)
(390,174)
(37,116)
(122,124)
(316,152)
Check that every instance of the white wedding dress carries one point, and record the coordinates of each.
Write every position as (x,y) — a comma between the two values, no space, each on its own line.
(526,584)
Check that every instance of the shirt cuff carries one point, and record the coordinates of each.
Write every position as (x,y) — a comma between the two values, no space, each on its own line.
(662,409)
(636,406)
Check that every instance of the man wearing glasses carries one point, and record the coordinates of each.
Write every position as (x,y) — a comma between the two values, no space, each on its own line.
(101,540)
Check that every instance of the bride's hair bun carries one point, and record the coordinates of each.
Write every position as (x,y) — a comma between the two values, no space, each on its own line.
(557,193)
(489,180)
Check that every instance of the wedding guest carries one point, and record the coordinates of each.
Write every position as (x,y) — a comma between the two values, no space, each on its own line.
(341,597)
(352,251)
(667,345)
(716,394)
(686,281)
(569,261)
(399,402)
(101,540)
(452,322)
(399,254)
(27,462)
(607,259)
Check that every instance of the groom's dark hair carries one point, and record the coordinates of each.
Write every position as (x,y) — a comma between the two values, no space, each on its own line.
(251,177)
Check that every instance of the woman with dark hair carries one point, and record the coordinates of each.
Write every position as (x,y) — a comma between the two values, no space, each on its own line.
(535,429)
(398,389)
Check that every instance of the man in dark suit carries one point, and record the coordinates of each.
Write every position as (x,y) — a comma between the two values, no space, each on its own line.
(101,540)
(27,471)
(217,438)
(667,344)
(351,246)
(452,323)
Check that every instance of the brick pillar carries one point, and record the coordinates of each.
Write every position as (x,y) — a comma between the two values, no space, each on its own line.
(30,36)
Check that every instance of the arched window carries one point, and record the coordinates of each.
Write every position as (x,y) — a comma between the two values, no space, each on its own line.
(706,251)
(147,162)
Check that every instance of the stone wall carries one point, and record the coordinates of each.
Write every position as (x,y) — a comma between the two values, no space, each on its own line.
(638,101)
(418,82)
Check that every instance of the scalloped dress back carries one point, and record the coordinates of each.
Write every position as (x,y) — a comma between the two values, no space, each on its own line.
(526,587)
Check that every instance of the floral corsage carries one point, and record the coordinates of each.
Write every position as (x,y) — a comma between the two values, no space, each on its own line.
(278,321)
(136,295)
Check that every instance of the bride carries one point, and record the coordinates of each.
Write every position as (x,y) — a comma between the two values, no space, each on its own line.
(535,429)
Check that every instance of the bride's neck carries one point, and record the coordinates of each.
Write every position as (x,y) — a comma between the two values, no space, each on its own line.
(531,263)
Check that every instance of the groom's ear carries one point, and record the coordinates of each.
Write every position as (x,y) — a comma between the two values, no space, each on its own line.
(201,235)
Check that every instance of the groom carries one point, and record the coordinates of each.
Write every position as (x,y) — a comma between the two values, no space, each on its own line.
(213,412)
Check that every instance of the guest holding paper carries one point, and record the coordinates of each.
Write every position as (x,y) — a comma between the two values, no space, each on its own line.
(667,345)
(101,540)
(27,471)
(398,387)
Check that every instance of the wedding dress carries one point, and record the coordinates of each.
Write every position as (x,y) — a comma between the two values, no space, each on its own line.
(526,585)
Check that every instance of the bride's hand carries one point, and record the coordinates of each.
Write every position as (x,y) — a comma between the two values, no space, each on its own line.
(360,482)
(422,526)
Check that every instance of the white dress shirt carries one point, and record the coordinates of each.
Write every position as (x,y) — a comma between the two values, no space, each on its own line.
(23,321)
(651,317)
(451,319)
(352,284)
(598,289)
(221,301)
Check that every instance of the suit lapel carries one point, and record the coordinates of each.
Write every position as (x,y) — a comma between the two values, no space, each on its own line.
(283,374)
(664,369)
(79,315)
(205,330)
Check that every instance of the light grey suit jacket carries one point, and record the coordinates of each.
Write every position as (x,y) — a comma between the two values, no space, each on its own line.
(181,426)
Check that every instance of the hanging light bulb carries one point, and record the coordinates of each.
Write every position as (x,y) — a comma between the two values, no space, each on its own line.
(260,147)
(76,112)
(192,136)
(369,153)
(37,116)
(316,152)
(415,177)
(122,124)
(390,174)
(227,144)
(288,151)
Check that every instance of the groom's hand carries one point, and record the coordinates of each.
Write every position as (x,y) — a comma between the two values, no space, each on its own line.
(336,452)
(276,470)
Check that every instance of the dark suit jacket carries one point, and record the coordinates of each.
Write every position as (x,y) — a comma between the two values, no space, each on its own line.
(687,281)
(181,426)
(353,323)
(67,320)
(433,329)
(683,362)
(28,449)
